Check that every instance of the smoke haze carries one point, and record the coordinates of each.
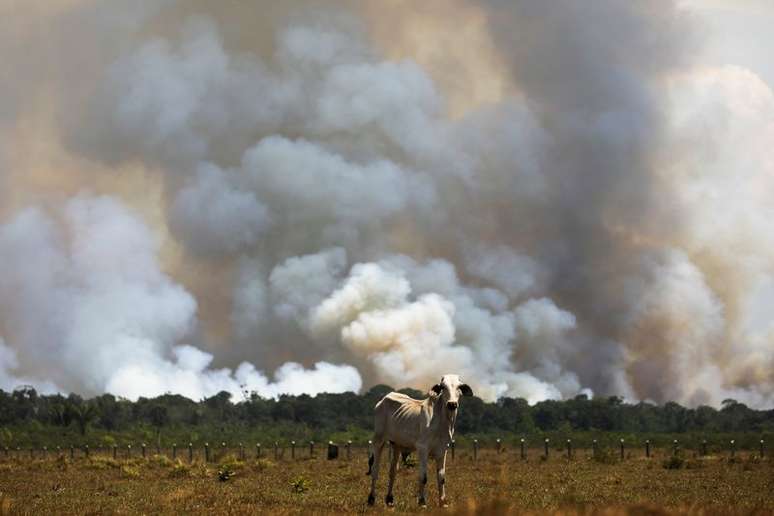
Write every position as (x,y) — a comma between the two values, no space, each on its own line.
(548,198)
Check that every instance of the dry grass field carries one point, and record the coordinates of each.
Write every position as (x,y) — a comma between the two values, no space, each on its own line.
(496,483)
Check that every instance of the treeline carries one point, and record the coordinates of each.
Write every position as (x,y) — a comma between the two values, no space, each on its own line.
(28,416)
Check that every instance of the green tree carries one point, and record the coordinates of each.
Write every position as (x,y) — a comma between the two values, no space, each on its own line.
(82,413)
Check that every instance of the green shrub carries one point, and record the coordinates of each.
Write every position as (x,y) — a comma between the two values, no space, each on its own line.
(163,461)
(224,474)
(130,471)
(299,484)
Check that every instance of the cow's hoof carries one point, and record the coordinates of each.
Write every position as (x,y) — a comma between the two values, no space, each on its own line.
(388,500)
(371,499)
(422,502)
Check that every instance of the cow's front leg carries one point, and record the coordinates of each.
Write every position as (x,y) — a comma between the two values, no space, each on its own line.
(422,453)
(388,500)
(440,471)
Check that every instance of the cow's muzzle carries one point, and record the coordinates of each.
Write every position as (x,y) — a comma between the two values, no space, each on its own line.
(451,405)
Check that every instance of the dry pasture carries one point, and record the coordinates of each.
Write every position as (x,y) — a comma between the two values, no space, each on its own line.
(496,482)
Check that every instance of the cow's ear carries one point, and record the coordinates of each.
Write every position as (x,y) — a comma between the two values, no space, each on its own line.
(437,388)
(466,390)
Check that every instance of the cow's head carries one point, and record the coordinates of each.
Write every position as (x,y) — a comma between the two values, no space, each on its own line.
(450,389)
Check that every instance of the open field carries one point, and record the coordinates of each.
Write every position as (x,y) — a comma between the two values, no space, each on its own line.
(496,482)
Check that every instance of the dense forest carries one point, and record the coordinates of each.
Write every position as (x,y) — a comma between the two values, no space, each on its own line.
(30,419)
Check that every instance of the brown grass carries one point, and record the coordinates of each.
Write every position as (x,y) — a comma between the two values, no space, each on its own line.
(496,484)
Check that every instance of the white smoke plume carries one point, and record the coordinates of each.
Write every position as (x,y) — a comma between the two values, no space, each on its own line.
(575,200)
(87,302)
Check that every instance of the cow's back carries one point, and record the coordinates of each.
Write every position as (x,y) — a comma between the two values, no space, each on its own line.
(398,419)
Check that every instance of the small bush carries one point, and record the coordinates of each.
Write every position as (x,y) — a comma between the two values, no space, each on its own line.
(224,474)
(299,484)
(673,462)
(130,471)
(228,467)
(163,461)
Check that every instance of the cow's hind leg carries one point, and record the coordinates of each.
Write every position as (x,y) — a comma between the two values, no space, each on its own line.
(422,454)
(393,469)
(377,457)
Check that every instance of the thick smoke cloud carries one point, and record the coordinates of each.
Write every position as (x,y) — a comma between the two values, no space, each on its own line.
(575,202)
(90,309)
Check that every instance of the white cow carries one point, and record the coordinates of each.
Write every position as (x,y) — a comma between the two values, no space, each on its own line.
(426,426)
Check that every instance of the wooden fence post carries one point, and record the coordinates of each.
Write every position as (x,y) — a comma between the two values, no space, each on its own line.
(241,451)
(190,452)
(733,448)
(523,456)
(349,451)
(115,452)
(594,449)
(292,449)
(475,449)
(333,450)
(763,450)
(453,445)
(545,447)
(174,451)
(704,447)
(143,450)
(647,448)
(276,450)
(128,450)
(72,452)
(206,452)
(258,450)
(311,449)
(86,449)
(499,446)
(569,449)
(675,448)
(622,449)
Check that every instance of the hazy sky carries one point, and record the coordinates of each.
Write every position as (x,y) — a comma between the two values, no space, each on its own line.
(546,197)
